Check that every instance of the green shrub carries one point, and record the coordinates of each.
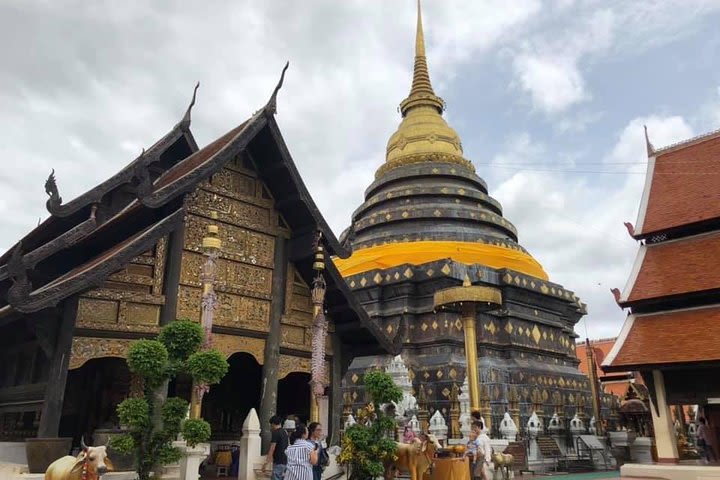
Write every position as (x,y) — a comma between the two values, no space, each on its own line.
(134,413)
(381,388)
(367,446)
(181,338)
(123,444)
(149,359)
(154,426)
(195,431)
(173,412)
(207,366)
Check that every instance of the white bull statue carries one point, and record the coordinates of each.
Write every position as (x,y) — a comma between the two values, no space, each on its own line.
(90,464)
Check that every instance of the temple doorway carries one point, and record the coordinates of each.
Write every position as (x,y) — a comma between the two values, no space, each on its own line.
(294,396)
(228,403)
(92,393)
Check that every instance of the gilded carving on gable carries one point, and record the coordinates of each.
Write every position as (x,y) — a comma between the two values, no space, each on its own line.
(242,312)
(234,182)
(188,302)
(232,211)
(290,364)
(141,314)
(87,348)
(293,335)
(301,303)
(232,276)
(159,266)
(230,344)
(92,311)
(239,244)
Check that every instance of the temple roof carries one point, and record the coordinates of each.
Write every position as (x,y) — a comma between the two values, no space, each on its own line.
(664,339)
(673,268)
(682,187)
(31,281)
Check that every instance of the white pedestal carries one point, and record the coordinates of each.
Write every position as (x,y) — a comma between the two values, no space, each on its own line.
(249,446)
(190,463)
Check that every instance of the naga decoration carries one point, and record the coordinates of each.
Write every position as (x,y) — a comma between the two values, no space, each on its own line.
(320,324)
(51,189)
(17,271)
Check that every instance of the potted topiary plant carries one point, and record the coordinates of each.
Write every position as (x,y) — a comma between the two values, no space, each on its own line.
(152,422)
(368,444)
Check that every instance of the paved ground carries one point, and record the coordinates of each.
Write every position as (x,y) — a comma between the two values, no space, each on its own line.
(611,474)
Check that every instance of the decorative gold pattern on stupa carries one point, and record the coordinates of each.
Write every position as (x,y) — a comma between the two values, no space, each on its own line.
(423,134)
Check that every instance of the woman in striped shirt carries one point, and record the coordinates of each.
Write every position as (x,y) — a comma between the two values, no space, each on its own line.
(301,455)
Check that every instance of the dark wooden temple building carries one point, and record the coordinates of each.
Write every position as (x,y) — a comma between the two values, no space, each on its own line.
(672,332)
(427,224)
(123,259)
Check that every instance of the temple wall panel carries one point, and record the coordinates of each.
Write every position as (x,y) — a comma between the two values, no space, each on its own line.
(87,348)
(130,299)
(231,344)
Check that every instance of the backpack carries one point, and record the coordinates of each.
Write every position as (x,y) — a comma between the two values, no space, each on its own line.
(323,457)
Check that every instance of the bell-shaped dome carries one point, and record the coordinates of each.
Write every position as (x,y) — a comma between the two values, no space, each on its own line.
(423,134)
(427,203)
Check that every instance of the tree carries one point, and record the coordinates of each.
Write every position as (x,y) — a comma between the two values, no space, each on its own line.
(153,424)
(368,444)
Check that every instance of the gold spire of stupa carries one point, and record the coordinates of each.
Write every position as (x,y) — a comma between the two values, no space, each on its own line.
(423,134)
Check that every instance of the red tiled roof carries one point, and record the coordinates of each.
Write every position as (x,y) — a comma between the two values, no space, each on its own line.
(685,186)
(196,159)
(677,267)
(601,349)
(680,336)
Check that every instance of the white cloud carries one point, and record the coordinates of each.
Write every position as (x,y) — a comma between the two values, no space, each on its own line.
(573,223)
(554,83)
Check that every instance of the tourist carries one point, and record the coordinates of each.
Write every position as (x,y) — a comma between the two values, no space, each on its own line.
(408,435)
(471,451)
(705,440)
(484,450)
(315,436)
(301,455)
(278,446)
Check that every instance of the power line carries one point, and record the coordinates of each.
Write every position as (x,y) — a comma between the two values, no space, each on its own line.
(599,172)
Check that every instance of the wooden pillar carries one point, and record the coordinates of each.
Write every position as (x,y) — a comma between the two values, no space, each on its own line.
(55,390)
(271,365)
(168,311)
(171,278)
(662,422)
(336,393)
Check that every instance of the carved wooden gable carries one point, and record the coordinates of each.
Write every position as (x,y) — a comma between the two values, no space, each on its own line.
(248,226)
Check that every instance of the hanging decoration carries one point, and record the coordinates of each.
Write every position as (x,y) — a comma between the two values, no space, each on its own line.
(211,245)
(320,324)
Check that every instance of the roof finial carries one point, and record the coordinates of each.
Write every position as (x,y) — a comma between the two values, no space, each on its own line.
(421,92)
(648,145)
(419,36)
(185,122)
(272,103)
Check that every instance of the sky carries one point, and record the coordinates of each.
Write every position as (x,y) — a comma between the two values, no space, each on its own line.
(549,98)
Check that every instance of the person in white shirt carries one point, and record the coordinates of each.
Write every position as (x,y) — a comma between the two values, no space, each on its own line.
(484,451)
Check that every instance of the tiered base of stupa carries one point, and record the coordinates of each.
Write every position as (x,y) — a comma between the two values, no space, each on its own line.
(526,348)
